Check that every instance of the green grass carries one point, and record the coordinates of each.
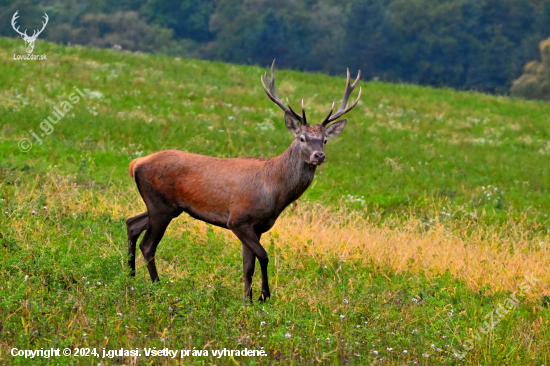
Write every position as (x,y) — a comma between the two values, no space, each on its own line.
(78,295)
(405,149)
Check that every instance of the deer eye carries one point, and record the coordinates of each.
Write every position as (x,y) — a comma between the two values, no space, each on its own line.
(326,141)
(302,139)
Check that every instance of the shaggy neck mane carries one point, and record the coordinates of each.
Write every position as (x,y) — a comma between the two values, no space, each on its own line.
(289,174)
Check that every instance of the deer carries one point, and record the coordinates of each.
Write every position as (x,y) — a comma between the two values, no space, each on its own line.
(245,195)
(29,41)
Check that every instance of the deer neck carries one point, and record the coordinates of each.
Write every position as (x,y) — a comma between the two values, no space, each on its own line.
(291,174)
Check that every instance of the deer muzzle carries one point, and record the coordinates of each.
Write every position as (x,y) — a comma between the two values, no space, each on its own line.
(317,158)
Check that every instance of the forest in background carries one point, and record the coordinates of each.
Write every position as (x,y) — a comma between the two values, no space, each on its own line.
(478,45)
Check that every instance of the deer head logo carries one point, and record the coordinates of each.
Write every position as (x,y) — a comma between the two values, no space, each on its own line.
(29,41)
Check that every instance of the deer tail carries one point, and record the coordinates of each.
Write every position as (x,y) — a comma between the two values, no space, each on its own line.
(132,167)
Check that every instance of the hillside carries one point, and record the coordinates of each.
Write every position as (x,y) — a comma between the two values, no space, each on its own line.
(404,145)
(430,212)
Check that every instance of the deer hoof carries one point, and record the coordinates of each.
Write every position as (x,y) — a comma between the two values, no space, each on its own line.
(264,296)
(247,299)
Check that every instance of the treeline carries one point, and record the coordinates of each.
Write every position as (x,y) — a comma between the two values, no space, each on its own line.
(465,44)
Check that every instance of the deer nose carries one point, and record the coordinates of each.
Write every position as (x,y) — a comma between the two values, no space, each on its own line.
(319,157)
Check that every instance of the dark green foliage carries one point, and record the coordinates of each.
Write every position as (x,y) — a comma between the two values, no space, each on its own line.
(188,18)
(465,44)
(369,38)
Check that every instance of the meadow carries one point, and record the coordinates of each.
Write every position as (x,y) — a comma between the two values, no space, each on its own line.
(430,214)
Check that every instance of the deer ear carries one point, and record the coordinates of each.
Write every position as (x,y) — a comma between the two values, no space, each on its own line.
(336,128)
(292,123)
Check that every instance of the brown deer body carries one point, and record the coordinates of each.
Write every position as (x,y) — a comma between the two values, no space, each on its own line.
(244,195)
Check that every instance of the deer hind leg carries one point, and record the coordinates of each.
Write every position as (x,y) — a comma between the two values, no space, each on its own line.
(155,231)
(134,227)
(160,213)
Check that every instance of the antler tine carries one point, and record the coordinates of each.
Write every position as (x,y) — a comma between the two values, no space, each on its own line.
(325,121)
(43,24)
(13,19)
(294,113)
(273,74)
(304,112)
(347,92)
(272,94)
(275,99)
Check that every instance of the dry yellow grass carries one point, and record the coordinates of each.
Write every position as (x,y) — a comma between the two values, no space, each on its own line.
(479,254)
(484,256)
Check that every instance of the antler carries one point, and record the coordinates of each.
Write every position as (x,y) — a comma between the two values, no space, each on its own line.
(15,16)
(343,110)
(43,26)
(24,34)
(272,94)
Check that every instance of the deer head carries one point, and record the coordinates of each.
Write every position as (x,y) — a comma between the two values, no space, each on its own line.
(29,41)
(312,139)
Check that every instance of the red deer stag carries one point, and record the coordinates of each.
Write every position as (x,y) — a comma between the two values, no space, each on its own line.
(244,195)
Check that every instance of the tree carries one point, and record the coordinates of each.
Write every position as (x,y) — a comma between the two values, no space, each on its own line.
(535,82)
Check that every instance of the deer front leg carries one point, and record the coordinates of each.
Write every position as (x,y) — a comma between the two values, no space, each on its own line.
(249,263)
(248,237)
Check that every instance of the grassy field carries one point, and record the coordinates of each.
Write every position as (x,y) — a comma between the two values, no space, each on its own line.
(429,217)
